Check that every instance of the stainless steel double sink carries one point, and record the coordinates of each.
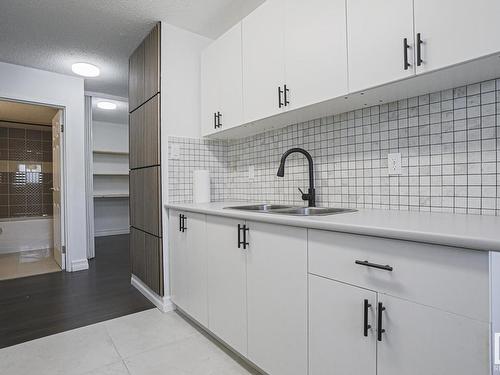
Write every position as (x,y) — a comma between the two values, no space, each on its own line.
(291,210)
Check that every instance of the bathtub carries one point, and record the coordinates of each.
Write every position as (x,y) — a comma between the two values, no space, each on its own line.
(25,234)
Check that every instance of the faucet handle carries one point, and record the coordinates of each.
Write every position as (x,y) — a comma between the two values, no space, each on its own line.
(305,196)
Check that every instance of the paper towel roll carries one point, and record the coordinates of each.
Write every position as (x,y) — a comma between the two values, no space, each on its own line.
(201,186)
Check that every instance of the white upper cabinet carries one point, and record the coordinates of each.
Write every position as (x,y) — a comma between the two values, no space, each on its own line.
(263,61)
(221,75)
(376,32)
(315,51)
(456,31)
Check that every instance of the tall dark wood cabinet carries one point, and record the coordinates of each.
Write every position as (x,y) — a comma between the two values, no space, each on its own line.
(146,252)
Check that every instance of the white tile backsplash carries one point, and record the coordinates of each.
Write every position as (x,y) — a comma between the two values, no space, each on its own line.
(448,141)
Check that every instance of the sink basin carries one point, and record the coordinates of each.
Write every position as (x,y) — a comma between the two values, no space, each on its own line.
(291,210)
(260,207)
(311,211)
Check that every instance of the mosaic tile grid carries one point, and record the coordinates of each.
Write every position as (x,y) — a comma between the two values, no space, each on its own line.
(448,140)
(25,172)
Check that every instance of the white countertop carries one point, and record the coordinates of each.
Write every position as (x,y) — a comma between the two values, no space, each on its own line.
(473,232)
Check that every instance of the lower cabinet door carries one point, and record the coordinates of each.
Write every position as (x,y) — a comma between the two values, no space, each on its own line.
(196,266)
(277,298)
(178,261)
(423,340)
(227,308)
(337,341)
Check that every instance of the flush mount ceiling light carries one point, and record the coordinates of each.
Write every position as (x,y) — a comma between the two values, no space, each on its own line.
(106,105)
(85,69)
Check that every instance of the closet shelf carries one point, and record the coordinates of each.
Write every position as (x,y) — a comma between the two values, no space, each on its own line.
(109,152)
(110,195)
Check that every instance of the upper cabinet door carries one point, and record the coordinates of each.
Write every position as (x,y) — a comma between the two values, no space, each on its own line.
(315,50)
(376,32)
(230,78)
(222,87)
(456,31)
(263,60)
(210,97)
(152,63)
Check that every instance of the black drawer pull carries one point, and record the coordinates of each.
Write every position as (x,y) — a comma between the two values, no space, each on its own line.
(374,265)
(366,326)
(184,223)
(405,53)
(380,330)
(244,229)
(286,91)
(180,222)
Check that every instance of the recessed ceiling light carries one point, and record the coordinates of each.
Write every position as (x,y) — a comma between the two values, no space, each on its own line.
(85,69)
(106,105)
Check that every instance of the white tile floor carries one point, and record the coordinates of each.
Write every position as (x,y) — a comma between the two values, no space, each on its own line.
(146,343)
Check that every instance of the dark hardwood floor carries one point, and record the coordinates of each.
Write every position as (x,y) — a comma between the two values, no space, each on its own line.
(37,306)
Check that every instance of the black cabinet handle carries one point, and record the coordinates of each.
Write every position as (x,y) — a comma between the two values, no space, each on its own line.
(244,229)
(280,92)
(215,120)
(419,49)
(380,330)
(366,326)
(219,115)
(374,265)
(180,222)
(286,91)
(405,52)
(184,223)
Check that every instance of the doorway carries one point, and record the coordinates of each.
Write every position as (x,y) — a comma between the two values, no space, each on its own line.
(31,219)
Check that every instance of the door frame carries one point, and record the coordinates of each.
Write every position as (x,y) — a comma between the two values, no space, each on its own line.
(66,256)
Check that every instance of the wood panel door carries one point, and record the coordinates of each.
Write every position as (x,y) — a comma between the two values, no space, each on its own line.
(136,78)
(145,200)
(152,63)
(336,329)
(144,134)
(147,259)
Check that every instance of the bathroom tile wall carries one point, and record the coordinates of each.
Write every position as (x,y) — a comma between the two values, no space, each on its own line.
(25,171)
(448,140)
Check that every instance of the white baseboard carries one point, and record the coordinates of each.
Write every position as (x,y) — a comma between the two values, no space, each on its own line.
(79,265)
(164,304)
(111,232)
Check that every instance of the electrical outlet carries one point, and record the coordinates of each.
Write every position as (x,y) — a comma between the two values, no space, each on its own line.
(175,151)
(394,164)
(251,172)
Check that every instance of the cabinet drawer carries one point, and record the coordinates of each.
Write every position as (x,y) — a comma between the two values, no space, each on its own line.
(452,279)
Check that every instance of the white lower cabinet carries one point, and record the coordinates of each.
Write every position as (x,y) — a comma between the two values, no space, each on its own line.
(368,305)
(188,255)
(227,283)
(277,298)
(422,340)
(337,341)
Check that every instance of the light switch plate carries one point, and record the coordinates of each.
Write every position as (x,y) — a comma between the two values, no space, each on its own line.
(175,151)
(394,164)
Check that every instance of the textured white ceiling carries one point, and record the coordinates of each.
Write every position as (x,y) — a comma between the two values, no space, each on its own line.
(53,34)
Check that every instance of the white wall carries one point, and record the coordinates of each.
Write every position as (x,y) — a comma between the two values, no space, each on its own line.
(109,136)
(180,103)
(33,85)
(495,303)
